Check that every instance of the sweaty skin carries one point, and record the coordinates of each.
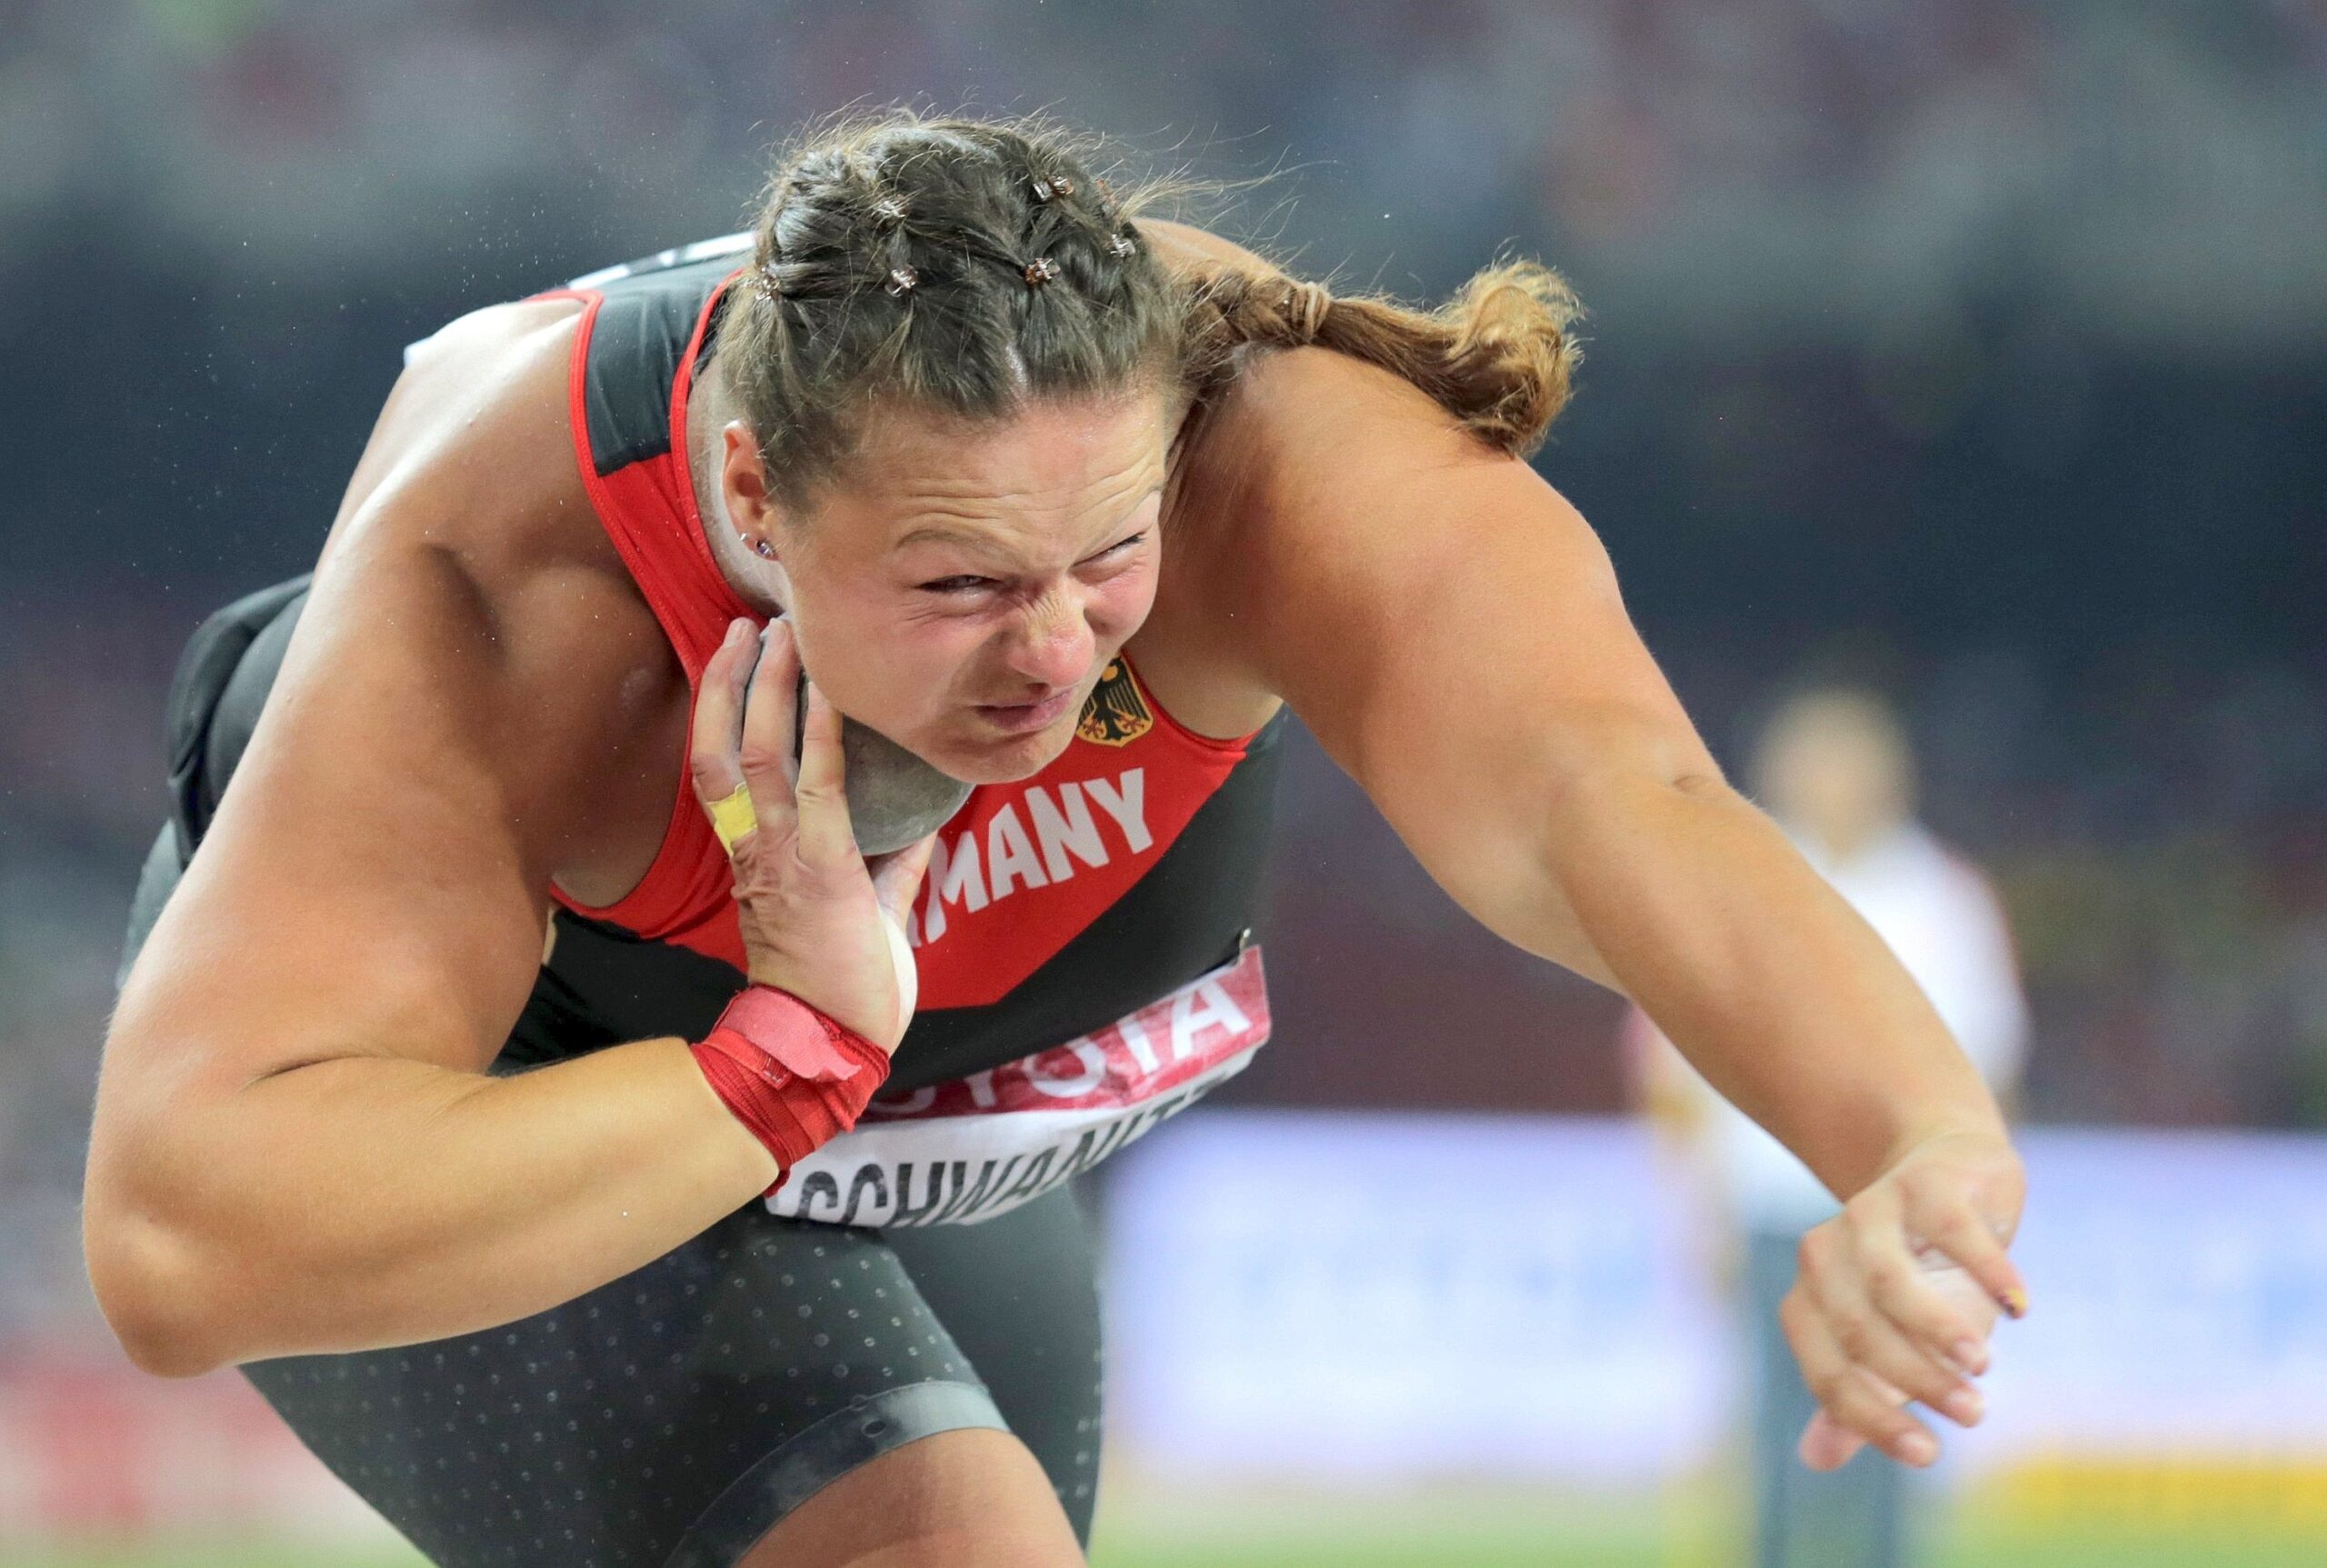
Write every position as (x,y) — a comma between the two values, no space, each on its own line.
(294,1150)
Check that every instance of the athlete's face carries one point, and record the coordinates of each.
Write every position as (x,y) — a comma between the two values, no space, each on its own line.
(962,589)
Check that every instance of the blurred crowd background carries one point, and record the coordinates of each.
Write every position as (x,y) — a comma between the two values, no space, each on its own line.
(1974,351)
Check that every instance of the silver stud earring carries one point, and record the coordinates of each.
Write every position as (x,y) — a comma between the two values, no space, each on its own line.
(765,548)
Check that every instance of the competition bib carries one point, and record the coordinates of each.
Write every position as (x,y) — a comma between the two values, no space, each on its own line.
(971,1148)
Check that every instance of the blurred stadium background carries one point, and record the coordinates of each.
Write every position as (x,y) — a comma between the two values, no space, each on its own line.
(1975,350)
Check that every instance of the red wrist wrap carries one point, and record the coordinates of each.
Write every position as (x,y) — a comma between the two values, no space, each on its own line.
(796,1078)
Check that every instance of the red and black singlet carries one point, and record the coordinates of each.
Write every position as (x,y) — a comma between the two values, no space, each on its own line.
(1053,905)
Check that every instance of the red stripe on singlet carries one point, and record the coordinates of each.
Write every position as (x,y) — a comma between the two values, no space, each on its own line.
(648,510)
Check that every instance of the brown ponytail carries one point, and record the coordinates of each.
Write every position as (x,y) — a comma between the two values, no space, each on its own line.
(1499,356)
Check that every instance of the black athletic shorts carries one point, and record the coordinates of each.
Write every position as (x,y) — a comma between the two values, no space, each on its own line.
(673,1415)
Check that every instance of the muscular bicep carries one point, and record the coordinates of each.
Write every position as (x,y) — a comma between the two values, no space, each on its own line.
(1451,629)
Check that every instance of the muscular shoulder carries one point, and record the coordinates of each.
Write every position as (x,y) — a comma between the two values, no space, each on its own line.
(469,495)
(435,747)
(1304,455)
(473,451)
(1296,422)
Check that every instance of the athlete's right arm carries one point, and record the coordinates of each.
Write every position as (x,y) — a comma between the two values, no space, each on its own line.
(295,1148)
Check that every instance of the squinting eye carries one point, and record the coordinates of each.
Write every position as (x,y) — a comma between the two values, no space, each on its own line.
(1118,546)
(957,584)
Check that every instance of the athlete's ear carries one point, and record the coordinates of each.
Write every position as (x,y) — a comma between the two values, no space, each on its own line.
(743,479)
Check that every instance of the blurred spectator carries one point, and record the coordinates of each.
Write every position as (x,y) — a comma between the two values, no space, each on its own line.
(1834,768)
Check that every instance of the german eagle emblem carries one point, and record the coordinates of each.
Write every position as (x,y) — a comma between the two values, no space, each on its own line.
(1116,713)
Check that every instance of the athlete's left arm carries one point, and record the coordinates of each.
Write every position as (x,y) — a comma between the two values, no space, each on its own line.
(1451,629)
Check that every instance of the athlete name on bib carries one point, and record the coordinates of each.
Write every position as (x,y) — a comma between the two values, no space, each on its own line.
(971,1148)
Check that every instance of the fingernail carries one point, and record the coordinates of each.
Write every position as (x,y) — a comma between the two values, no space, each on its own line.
(1917,1449)
(1964,1406)
(2016,1302)
(1968,1356)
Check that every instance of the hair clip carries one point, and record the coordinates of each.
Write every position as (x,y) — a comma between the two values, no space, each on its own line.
(1044,189)
(1040,270)
(889,210)
(1120,245)
(901,280)
(764,279)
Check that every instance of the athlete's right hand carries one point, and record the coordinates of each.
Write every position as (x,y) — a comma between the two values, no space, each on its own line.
(814,915)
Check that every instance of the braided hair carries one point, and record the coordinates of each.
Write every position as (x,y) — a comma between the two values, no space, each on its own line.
(965,267)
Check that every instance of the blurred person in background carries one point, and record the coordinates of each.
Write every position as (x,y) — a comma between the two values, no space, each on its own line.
(1835,769)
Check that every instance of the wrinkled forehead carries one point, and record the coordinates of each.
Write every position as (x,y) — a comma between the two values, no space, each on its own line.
(1057,458)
